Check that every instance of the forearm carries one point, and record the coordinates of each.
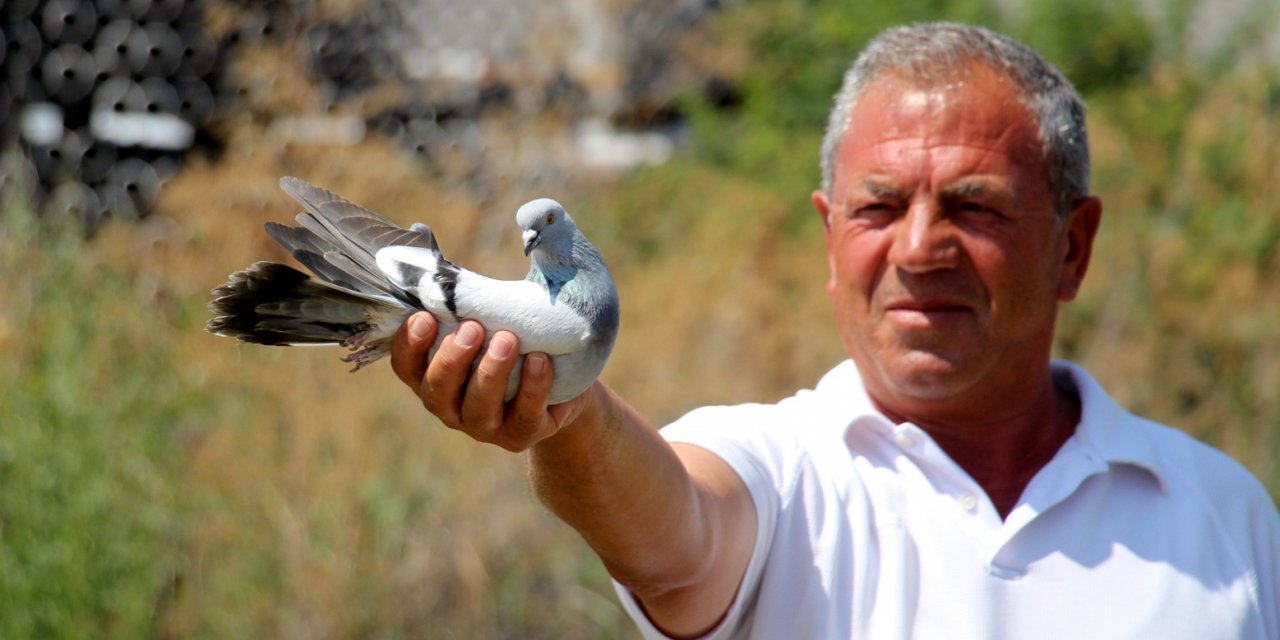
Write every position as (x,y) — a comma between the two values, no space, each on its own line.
(675,526)
(614,479)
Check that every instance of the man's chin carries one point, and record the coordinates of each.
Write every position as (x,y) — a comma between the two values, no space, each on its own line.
(925,375)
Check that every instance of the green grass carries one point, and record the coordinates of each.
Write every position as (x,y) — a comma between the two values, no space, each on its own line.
(91,405)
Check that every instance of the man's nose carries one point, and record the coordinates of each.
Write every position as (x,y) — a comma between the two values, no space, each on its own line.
(924,240)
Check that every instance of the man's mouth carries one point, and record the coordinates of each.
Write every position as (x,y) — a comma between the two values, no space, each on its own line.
(926,313)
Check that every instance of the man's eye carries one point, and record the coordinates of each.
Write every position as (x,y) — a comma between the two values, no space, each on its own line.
(873,209)
(976,207)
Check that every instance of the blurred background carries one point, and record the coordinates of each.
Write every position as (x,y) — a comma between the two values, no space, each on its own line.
(157,481)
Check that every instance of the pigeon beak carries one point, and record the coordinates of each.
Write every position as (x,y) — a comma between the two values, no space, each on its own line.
(531,238)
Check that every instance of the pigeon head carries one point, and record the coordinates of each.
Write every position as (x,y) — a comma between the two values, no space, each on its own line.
(546,228)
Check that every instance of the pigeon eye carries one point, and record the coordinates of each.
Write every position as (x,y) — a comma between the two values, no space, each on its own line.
(551,218)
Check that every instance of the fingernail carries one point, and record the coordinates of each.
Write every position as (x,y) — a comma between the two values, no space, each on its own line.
(417,327)
(466,335)
(536,363)
(500,347)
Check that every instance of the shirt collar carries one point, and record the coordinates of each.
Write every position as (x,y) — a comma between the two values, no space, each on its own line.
(841,396)
(1106,430)
(840,403)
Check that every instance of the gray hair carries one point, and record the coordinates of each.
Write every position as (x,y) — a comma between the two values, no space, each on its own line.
(933,54)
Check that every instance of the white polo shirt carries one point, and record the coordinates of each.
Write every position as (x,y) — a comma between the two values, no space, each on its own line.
(866,529)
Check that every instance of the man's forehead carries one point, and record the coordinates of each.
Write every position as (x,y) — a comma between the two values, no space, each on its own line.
(979,88)
(956,75)
(982,111)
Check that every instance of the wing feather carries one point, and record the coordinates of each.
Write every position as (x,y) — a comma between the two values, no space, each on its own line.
(338,240)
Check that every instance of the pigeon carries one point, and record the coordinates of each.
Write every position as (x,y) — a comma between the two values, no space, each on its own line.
(371,275)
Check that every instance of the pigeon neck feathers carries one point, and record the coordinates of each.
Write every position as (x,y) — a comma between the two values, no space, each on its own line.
(556,258)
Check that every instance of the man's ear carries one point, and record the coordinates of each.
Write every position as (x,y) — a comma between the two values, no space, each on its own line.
(1081,227)
(822,205)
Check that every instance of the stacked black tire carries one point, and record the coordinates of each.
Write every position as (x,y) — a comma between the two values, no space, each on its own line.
(100,100)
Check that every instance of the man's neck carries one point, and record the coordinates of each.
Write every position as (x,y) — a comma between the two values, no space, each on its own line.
(1004,454)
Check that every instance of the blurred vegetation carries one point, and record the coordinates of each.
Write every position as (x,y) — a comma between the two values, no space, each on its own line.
(88,490)
(160,482)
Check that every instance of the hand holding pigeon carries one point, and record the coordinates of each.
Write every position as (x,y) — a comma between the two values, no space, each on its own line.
(371,275)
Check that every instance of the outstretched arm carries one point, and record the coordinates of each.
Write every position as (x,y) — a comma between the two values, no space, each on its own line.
(674,524)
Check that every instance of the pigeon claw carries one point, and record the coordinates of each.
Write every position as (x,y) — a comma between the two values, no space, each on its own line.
(359,337)
(362,351)
(365,355)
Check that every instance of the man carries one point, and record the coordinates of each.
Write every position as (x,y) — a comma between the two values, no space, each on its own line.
(950,480)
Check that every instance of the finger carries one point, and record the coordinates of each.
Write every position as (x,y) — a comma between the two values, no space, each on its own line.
(411,346)
(484,403)
(448,371)
(527,420)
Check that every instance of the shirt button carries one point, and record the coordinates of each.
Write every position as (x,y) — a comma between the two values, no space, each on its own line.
(904,439)
(968,501)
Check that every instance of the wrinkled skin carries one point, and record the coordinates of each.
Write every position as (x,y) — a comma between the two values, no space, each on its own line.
(947,260)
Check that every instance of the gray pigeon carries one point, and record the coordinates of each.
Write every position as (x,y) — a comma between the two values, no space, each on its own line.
(371,275)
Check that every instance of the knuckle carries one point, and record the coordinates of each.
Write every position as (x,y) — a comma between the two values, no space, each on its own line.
(478,422)
(431,384)
(439,405)
(453,356)
(433,405)
(487,371)
(485,437)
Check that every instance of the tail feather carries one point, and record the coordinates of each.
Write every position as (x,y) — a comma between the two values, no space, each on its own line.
(275,304)
(318,310)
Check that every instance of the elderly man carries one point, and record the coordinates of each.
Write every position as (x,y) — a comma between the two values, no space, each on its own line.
(948,481)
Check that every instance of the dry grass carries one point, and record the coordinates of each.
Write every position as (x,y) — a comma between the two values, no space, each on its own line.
(302,501)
